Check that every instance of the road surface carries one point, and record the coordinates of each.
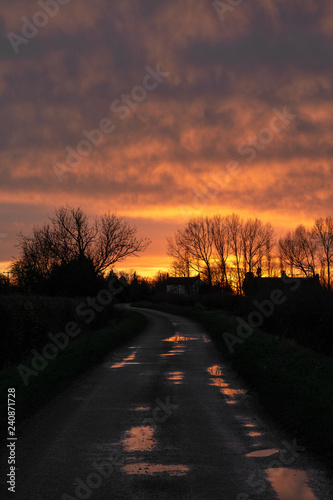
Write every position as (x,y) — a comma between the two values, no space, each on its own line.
(161,418)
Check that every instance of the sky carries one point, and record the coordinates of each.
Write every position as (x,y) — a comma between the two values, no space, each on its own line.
(162,110)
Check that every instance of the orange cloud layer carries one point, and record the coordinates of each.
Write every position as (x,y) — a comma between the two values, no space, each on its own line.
(241,123)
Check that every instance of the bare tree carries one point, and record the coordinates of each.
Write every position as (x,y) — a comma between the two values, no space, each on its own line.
(269,261)
(181,264)
(299,250)
(72,236)
(69,236)
(257,238)
(323,234)
(196,242)
(235,225)
(116,240)
(180,268)
(222,245)
(36,255)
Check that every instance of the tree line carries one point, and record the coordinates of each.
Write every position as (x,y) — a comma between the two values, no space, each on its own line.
(224,248)
(70,255)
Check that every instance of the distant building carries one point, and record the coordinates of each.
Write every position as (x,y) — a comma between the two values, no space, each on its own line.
(256,285)
(183,286)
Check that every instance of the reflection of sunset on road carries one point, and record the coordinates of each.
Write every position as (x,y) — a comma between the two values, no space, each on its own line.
(218,382)
(254,434)
(231,394)
(126,361)
(139,439)
(148,469)
(175,377)
(215,370)
(173,352)
(290,484)
(179,338)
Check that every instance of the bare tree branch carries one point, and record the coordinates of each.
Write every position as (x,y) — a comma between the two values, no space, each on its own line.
(69,236)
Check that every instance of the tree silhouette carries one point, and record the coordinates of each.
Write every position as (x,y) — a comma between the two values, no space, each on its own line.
(323,234)
(70,245)
(299,250)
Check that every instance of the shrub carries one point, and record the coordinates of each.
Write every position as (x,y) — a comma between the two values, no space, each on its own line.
(26,322)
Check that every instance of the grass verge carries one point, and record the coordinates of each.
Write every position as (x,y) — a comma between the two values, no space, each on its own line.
(294,384)
(79,355)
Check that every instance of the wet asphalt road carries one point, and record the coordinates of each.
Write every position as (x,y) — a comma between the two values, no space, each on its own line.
(161,418)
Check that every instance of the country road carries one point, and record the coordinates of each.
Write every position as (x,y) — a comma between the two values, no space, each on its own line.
(161,418)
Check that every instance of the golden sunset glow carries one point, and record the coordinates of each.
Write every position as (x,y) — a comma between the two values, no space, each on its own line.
(163,111)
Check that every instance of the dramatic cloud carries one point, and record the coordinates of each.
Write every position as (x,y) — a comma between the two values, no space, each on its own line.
(163,110)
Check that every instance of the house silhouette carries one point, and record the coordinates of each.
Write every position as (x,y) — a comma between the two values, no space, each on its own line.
(183,285)
(259,286)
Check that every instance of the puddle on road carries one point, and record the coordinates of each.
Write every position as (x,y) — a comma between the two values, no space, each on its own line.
(153,469)
(215,371)
(175,377)
(262,453)
(139,439)
(290,484)
(126,361)
(218,382)
(173,352)
(251,431)
(179,338)
(179,348)
(232,394)
(254,434)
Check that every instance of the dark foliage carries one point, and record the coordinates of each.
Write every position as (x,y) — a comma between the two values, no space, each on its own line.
(307,318)
(75,278)
(4,284)
(304,316)
(26,321)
